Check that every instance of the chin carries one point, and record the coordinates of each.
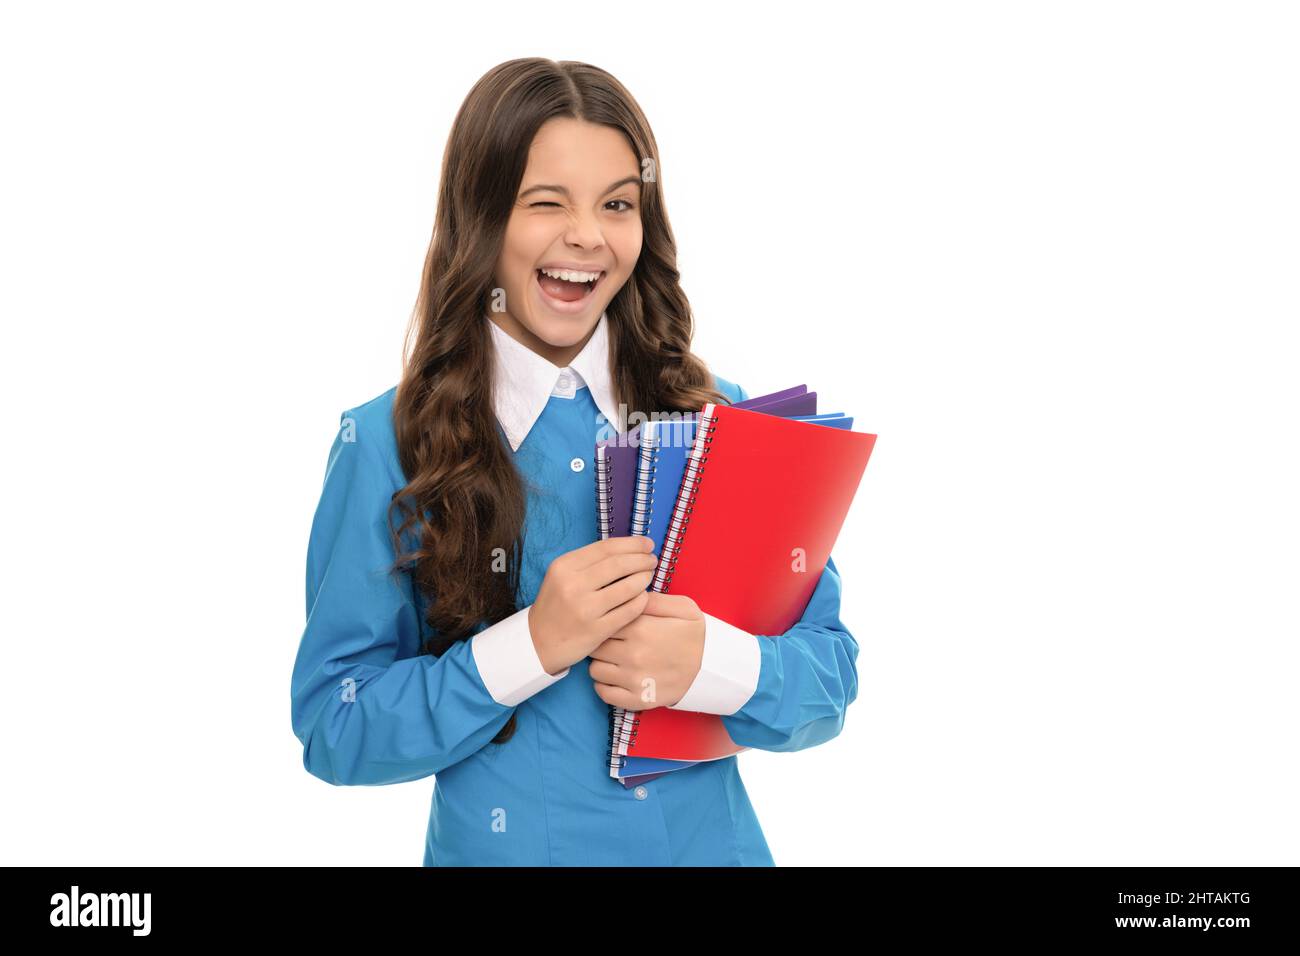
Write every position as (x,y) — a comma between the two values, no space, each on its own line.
(561,331)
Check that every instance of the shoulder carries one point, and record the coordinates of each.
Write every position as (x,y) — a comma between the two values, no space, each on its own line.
(733,391)
(367,431)
(373,418)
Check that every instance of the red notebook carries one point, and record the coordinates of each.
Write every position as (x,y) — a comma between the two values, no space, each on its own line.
(756,488)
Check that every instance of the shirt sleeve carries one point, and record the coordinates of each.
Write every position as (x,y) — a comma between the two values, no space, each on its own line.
(507,660)
(729,670)
(367,707)
(807,678)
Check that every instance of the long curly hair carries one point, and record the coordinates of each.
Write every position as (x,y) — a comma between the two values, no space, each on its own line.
(465,497)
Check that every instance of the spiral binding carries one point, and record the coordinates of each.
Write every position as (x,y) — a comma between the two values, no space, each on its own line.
(604,493)
(643,497)
(672,544)
(619,730)
(623,723)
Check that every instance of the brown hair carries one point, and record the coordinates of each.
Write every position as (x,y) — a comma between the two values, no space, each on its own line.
(465,497)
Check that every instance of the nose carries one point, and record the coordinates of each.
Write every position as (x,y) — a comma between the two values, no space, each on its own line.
(584,231)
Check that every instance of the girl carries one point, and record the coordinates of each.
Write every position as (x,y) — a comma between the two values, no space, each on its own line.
(463,617)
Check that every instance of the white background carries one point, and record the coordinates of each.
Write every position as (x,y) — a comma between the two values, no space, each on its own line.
(1046,251)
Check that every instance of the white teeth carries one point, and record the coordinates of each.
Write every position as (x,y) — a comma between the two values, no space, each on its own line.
(570,276)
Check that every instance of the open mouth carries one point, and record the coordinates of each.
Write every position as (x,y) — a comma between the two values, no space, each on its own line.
(563,295)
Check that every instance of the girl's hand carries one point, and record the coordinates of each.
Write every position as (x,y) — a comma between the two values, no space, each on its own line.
(653,661)
(587,595)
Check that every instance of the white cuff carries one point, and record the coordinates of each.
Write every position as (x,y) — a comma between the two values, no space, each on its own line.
(507,660)
(728,673)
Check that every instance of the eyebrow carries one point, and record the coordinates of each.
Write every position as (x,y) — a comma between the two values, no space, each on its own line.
(563,191)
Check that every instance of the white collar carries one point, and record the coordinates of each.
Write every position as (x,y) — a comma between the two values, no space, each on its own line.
(525,381)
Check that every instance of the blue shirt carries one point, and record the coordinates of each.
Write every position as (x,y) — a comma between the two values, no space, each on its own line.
(369,709)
